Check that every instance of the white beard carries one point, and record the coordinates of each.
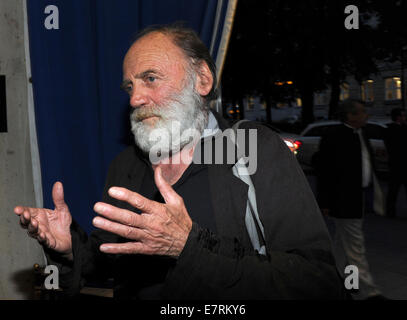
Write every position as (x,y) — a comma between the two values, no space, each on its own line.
(181,121)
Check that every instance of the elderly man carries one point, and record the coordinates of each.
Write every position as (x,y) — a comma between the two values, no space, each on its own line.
(179,229)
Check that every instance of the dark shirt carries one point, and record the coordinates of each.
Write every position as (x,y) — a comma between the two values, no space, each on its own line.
(193,187)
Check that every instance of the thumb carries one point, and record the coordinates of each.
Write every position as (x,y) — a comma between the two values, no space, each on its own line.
(58,196)
(164,187)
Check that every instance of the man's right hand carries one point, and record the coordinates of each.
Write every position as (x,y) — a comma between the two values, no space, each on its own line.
(50,227)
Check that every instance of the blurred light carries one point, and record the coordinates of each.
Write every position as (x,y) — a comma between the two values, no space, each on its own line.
(293,145)
(289,143)
(289,82)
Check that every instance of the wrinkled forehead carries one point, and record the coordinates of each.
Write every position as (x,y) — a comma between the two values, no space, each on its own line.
(154,50)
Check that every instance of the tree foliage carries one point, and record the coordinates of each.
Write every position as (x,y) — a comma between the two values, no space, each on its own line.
(307,42)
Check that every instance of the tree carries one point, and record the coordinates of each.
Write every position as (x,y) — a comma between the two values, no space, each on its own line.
(306,42)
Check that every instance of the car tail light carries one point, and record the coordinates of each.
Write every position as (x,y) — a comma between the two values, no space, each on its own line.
(292,145)
(297,144)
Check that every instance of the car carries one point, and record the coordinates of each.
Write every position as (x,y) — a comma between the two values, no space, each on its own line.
(310,137)
(290,139)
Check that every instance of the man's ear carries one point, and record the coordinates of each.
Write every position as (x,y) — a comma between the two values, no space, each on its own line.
(204,79)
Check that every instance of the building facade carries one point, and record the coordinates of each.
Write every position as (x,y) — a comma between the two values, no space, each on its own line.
(381,92)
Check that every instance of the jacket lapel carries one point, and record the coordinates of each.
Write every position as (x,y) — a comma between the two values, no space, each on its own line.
(229,199)
(228,193)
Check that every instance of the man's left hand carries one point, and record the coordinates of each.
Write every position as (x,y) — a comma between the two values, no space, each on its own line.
(161,228)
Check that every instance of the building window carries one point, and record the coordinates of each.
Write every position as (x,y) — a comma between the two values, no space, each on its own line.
(366,91)
(344,91)
(392,88)
(299,102)
(250,103)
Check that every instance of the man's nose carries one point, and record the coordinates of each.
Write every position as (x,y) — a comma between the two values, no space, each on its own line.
(138,98)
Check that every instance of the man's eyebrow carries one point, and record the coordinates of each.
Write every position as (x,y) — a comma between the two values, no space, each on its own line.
(141,75)
(147,72)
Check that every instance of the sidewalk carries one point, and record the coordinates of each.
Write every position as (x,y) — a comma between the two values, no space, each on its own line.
(386,245)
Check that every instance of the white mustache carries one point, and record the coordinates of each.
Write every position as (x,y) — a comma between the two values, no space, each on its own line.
(141,113)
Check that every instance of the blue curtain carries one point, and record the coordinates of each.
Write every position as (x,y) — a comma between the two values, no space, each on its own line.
(81,114)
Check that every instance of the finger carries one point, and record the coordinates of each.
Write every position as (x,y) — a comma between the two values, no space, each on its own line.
(122,216)
(135,199)
(42,238)
(23,224)
(168,193)
(58,196)
(19,210)
(117,228)
(25,219)
(26,212)
(33,227)
(125,248)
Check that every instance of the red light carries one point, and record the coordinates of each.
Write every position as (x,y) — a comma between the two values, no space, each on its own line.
(297,144)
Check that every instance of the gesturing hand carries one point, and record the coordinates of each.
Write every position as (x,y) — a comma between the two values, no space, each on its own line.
(161,228)
(49,227)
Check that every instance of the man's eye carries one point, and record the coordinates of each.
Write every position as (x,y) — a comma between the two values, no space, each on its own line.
(150,79)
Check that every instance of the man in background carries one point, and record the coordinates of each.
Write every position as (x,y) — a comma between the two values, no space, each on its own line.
(345,171)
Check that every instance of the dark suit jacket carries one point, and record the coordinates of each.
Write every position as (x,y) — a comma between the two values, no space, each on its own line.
(299,264)
(339,172)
